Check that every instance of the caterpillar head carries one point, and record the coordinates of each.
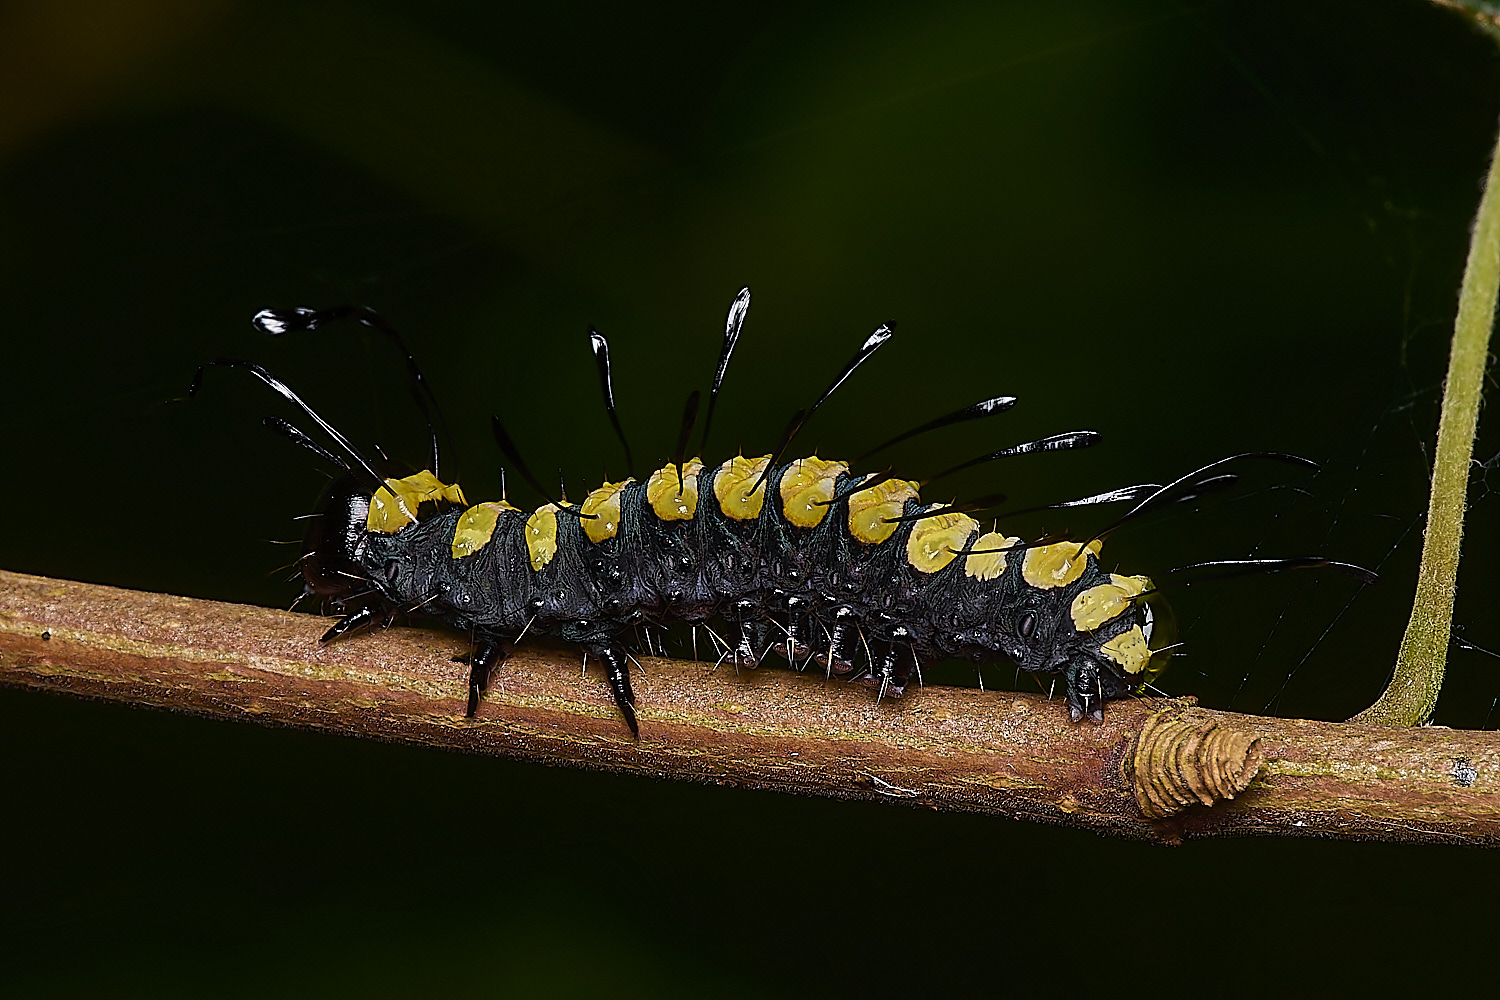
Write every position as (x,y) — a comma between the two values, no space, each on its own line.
(1095,631)
(1112,653)
(335,535)
(338,536)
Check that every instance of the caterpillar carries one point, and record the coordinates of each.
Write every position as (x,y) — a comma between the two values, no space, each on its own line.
(852,573)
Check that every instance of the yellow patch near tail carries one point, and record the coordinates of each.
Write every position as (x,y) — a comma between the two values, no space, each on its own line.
(476,527)
(674,500)
(1057,565)
(806,488)
(733,485)
(872,512)
(1100,604)
(1129,649)
(986,563)
(395,504)
(935,541)
(604,505)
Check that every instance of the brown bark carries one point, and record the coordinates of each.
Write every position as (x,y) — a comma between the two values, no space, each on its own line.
(947,748)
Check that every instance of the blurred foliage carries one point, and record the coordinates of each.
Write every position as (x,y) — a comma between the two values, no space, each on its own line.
(1199,229)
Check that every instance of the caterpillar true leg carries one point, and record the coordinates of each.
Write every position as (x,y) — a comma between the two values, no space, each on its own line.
(481,664)
(1089,687)
(617,672)
(352,622)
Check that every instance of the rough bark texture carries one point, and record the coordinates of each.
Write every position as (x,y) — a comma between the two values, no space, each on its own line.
(947,748)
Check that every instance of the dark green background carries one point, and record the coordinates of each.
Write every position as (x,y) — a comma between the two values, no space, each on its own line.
(1198,229)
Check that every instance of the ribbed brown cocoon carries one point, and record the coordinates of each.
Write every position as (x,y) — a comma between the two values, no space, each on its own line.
(1185,758)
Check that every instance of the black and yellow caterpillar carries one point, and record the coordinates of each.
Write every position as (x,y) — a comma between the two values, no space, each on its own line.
(804,559)
(808,575)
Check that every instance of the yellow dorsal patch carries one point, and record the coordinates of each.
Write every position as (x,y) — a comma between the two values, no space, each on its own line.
(1107,601)
(986,563)
(604,504)
(673,501)
(541,535)
(395,504)
(476,527)
(934,541)
(872,512)
(733,483)
(1129,649)
(1057,565)
(806,488)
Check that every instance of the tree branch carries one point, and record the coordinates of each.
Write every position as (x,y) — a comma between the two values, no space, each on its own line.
(948,748)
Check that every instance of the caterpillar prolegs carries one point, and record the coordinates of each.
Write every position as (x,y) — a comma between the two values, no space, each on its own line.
(851,574)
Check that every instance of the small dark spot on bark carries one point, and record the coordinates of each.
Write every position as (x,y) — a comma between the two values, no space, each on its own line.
(46,633)
(1464,773)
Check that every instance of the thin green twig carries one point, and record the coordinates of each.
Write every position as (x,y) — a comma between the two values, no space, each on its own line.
(1412,694)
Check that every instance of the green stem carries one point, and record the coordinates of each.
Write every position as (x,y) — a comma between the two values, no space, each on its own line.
(1413,691)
